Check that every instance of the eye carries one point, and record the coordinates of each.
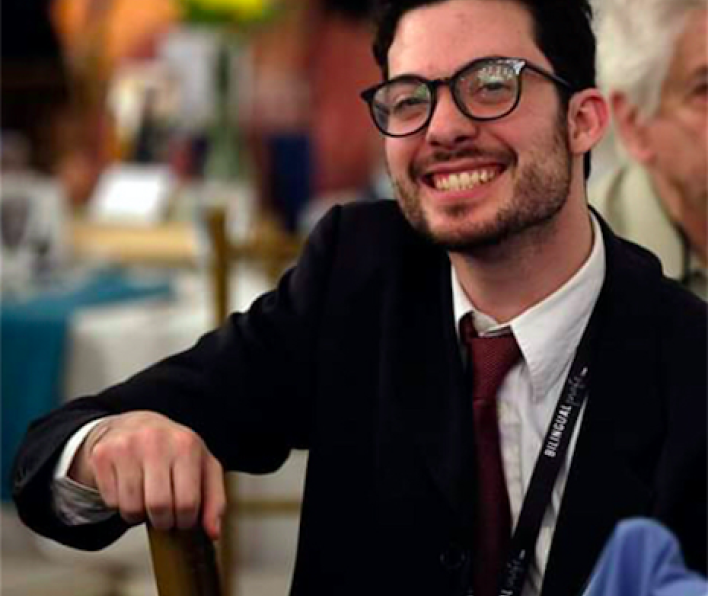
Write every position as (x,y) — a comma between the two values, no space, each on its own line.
(695,95)
(700,90)
(409,103)
(489,84)
(495,80)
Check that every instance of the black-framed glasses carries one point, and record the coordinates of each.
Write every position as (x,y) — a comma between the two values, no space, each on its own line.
(485,89)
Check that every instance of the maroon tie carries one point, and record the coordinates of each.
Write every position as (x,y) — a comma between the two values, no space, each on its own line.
(490,359)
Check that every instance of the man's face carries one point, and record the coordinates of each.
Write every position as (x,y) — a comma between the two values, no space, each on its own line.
(678,134)
(465,183)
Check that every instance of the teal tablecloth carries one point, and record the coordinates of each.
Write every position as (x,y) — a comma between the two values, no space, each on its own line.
(33,340)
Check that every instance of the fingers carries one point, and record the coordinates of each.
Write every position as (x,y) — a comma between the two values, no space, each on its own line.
(186,482)
(129,481)
(104,477)
(148,467)
(159,497)
(119,475)
(81,469)
(214,497)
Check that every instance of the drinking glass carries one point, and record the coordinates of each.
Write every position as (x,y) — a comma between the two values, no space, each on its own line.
(16,249)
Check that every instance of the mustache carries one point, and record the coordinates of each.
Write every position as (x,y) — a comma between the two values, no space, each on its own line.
(441,156)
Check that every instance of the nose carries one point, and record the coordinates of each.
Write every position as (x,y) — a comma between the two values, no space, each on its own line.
(448,126)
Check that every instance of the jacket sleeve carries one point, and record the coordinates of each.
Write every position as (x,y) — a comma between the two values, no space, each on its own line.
(245,388)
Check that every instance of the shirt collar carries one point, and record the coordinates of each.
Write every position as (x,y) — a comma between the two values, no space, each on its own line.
(549,332)
(696,278)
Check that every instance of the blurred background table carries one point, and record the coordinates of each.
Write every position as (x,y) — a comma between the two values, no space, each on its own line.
(34,331)
(172,304)
(147,83)
(171,244)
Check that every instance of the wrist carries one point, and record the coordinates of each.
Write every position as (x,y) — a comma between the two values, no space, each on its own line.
(80,469)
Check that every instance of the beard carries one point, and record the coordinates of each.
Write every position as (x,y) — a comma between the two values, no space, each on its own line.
(540,191)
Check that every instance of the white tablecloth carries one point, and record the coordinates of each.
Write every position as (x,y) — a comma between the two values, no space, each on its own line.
(110,343)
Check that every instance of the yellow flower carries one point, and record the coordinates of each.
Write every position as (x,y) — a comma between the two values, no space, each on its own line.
(245,10)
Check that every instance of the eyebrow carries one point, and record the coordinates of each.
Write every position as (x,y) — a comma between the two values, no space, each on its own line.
(415,75)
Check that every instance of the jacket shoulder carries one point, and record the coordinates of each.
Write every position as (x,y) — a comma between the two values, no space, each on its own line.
(375,216)
(367,233)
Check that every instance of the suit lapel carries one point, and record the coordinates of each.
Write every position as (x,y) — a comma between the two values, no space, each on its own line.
(622,422)
(426,377)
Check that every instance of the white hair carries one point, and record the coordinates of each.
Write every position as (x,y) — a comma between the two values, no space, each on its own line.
(636,43)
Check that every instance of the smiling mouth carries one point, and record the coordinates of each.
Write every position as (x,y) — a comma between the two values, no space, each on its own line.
(462,180)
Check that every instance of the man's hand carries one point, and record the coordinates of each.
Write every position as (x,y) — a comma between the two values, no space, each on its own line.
(148,467)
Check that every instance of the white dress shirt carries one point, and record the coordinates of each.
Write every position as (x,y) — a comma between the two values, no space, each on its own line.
(76,503)
(548,335)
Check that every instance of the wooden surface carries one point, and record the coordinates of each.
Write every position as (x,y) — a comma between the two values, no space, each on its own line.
(175,243)
(165,244)
(184,562)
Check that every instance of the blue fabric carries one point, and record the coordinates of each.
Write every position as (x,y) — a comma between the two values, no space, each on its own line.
(33,337)
(642,558)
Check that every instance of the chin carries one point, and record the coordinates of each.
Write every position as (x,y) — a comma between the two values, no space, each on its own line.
(468,240)
(462,231)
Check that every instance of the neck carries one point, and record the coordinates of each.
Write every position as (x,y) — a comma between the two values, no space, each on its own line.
(504,281)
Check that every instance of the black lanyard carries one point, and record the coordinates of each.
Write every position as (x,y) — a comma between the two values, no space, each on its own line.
(545,472)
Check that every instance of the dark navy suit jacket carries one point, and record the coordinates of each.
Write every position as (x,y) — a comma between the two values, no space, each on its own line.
(354,357)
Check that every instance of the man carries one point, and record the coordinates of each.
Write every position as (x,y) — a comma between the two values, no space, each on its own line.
(653,62)
(357,355)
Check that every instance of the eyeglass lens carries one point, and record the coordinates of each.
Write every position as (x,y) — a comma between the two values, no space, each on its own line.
(485,90)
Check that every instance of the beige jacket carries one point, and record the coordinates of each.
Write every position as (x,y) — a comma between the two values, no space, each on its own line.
(626,199)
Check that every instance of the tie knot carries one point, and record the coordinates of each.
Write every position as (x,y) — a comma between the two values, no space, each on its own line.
(490,359)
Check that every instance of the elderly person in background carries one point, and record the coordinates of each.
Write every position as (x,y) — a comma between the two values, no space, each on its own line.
(653,64)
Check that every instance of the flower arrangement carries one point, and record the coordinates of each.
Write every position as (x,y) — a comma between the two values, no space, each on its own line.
(231,22)
(235,12)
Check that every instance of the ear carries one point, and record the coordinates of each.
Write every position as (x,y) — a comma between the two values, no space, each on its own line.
(631,128)
(588,118)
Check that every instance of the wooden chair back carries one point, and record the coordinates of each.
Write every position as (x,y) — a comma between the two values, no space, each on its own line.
(185,561)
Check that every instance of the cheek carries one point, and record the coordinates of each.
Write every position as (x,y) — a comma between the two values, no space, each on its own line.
(682,144)
(399,155)
(663,139)
(700,133)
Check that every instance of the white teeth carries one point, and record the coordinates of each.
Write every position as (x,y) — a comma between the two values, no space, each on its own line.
(464,180)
